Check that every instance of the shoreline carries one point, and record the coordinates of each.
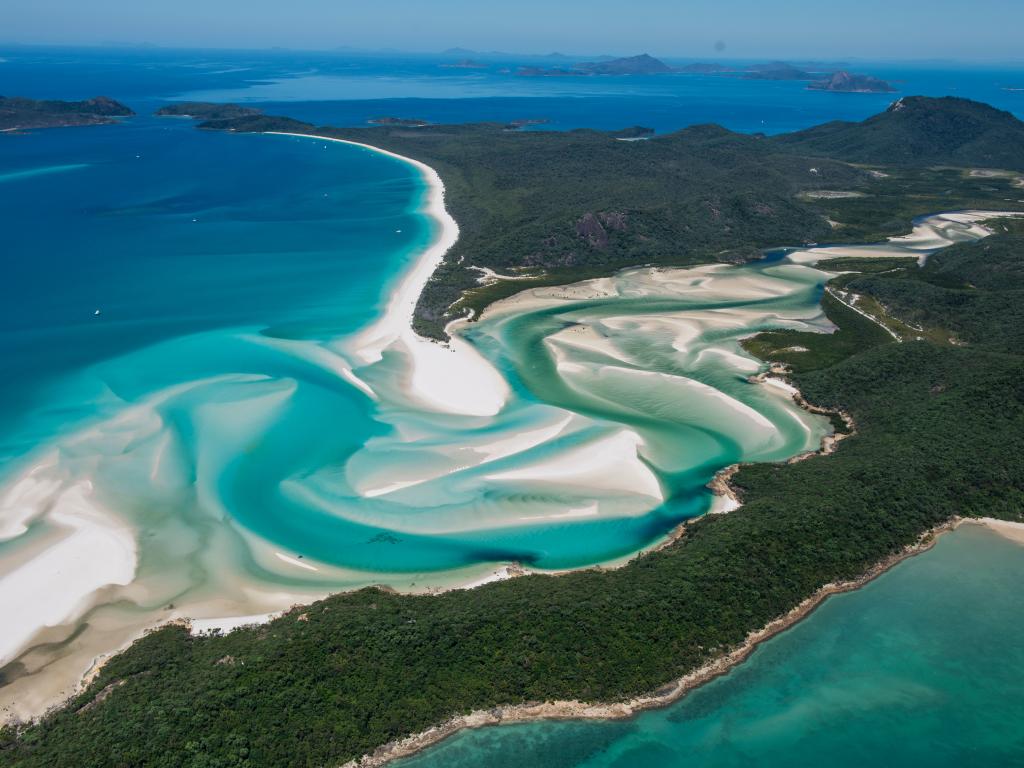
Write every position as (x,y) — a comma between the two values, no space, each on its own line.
(452,378)
(677,689)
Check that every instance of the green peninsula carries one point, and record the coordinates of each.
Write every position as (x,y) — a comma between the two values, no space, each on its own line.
(19,114)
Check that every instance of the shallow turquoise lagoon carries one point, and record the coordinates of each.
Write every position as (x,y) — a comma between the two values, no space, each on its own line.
(921,667)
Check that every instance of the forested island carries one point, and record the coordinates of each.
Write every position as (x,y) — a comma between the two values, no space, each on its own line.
(404,122)
(938,431)
(200,110)
(18,114)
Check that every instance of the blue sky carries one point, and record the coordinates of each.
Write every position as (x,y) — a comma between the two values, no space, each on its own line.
(954,29)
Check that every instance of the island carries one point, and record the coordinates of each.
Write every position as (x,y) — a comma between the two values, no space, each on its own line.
(844,82)
(643,64)
(466,64)
(707,68)
(548,72)
(203,111)
(840,81)
(18,114)
(777,70)
(404,122)
(921,379)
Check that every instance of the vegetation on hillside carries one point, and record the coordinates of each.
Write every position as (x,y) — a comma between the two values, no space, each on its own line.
(203,110)
(562,205)
(18,113)
(920,131)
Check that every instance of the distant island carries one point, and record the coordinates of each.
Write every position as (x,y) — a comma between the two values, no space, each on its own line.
(840,81)
(643,64)
(466,64)
(777,70)
(631,65)
(405,122)
(23,114)
(204,111)
(844,82)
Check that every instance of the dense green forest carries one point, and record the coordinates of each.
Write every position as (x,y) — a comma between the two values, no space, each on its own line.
(562,206)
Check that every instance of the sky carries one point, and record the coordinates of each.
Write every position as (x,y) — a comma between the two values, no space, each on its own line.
(891,29)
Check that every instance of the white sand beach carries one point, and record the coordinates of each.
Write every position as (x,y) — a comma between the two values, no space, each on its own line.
(452,378)
(928,235)
(1006,528)
(87,550)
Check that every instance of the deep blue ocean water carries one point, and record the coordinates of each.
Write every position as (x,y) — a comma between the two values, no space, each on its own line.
(167,231)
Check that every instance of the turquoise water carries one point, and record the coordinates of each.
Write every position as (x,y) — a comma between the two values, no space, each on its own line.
(922,667)
(204,421)
(203,425)
(169,232)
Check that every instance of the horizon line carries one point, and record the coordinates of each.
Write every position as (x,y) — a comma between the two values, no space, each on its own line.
(459,50)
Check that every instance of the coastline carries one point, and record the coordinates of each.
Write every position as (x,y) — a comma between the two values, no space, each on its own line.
(435,367)
(451,378)
(675,690)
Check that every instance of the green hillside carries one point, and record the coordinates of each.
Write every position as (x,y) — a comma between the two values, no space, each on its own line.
(920,131)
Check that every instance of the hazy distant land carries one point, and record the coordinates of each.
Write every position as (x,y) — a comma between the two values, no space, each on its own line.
(24,114)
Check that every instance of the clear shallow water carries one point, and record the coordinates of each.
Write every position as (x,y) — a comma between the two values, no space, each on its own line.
(921,667)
